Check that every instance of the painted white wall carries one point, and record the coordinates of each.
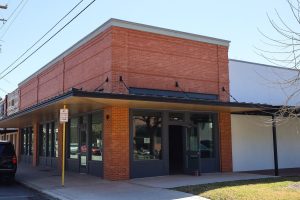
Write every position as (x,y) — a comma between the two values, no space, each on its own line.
(258,83)
(252,143)
(288,143)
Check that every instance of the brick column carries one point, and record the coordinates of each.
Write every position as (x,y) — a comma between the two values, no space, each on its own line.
(225,142)
(223,71)
(35,141)
(116,143)
(60,139)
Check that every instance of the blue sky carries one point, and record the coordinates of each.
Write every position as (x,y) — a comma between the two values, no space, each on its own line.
(233,20)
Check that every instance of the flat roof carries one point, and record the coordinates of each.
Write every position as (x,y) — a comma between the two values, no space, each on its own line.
(262,65)
(134,26)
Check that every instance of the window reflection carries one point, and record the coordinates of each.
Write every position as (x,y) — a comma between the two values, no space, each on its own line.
(96,138)
(204,124)
(42,140)
(49,140)
(73,147)
(55,146)
(30,144)
(147,137)
(27,141)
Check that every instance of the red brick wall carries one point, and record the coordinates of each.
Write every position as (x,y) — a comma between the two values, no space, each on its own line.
(116,143)
(149,60)
(144,60)
(86,67)
(225,142)
(28,93)
(50,82)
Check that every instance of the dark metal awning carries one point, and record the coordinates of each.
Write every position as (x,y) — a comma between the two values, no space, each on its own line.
(5,131)
(79,101)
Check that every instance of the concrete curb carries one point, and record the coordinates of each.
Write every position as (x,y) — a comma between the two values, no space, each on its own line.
(32,187)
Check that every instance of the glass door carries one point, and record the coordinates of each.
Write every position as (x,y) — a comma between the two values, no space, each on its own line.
(83,145)
(191,151)
(205,126)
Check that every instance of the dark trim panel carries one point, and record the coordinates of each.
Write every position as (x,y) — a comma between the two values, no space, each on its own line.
(72,165)
(95,168)
(275,146)
(26,159)
(148,168)
(173,94)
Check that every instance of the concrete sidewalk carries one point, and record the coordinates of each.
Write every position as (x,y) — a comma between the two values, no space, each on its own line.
(82,186)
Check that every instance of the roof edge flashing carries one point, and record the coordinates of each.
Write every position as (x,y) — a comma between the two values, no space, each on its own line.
(168,32)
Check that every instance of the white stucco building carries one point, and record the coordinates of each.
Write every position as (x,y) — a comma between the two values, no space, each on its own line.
(252,135)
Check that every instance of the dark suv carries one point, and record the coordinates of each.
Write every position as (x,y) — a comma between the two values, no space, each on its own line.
(8,160)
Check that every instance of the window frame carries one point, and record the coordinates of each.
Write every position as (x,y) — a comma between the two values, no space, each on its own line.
(89,132)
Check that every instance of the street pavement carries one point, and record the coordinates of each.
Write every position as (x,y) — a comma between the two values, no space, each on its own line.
(16,191)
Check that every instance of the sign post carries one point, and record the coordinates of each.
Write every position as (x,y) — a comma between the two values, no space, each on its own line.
(63,118)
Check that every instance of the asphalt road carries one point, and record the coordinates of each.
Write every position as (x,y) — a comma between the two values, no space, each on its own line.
(16,191)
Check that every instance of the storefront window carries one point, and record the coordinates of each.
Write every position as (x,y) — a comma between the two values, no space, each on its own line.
(26,140)
(205,124)
(49,140)
(43,139)
(30,140)
(96,137)
(55,140)
(73,147)
(147,136)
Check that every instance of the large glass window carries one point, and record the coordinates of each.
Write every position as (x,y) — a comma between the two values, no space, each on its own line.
(55,140)
(43,140)
(96,137)
(27,141)
(49,140)
(147,136)
(73,147)
(205,127)
(30,140)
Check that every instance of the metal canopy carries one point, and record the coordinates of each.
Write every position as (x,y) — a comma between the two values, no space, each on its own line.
(78,101)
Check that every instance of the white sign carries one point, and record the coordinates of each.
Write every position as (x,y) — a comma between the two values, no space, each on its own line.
(64,115)
(146,140)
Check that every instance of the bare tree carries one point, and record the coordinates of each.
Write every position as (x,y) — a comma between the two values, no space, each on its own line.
(283,50)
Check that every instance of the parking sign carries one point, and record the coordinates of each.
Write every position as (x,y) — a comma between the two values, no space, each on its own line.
(64,115)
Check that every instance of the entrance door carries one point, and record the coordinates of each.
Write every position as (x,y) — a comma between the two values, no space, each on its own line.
(83,145)
(191,149)
(208,147)
(176,156)
(207,141)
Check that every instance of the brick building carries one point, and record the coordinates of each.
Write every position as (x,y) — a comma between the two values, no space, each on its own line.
(143,101)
